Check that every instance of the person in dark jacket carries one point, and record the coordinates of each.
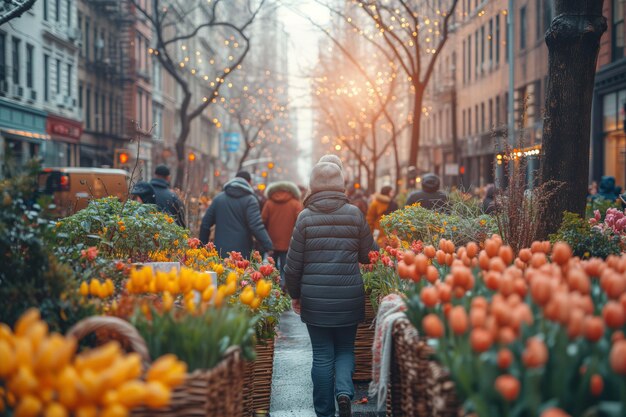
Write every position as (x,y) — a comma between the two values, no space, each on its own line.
(236,215)
(429,197)
(166,199)
(607,189)
(489,202)
(359,200)
(144,193)
(323,278)
(279,214)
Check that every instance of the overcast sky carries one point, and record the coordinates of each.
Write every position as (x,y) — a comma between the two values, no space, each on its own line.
(303,41)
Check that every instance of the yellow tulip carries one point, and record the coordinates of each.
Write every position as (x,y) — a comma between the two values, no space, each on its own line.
(247,295)
(55,410)
(201,282)
(168,301)
(157,395)
(27,319)
(185,279)
(218,269)
(132,393)
(23,382)
(232,278)
(23,351)
(208,293)
(99,358)
(7,359)
(84,289)
(115,410)
(161,281)
(263,288)
(109,286)
(86,411)
(67,385)
(160,367)
(94,287)
(29,406)
(256,302)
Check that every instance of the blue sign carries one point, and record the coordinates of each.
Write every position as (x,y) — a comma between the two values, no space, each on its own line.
(231,141)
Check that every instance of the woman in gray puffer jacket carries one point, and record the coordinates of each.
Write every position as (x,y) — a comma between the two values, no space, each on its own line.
(323,277)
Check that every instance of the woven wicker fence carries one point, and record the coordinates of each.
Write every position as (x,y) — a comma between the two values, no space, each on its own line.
(257,390)
(420,387)
(215,392)
(363,345)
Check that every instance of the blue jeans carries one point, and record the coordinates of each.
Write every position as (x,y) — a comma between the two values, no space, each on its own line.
(281,259)
(333,366)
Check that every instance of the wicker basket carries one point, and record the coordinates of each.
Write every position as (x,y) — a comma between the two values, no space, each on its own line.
(258,374)
(216,392)
(419,385)
(363,345)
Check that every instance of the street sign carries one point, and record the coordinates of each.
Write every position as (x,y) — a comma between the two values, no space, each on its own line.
(231,141)
(451,169)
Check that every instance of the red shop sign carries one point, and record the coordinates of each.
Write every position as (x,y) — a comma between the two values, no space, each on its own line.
(64,128)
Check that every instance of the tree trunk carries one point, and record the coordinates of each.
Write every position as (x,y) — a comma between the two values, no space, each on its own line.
(180,155)
(573,43)
(415,128)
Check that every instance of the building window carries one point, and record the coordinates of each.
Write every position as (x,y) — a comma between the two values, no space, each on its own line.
(490,113)
(490,39)
(609,112)
(477,117)
(96,44)
(547,15)
(58,76)
(3,57)
(88,109)
(482,117)
(140,108)
(57,10)
(469,58)
(522,28)
(506,37)
(618,30)
(69,80)
(464,124)
(476,56)
(45,10)
(482,49)
(498,40)
(46,78)
(79,20)
(469,121)
(96,111)
(68,5)
(16,60)
(111,114)
(497,111)
(80,96)
(103,112)
(86,45)
(538,21)
(29,65)
(464,68)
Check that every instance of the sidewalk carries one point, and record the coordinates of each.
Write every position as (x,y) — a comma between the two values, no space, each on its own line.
(291,386)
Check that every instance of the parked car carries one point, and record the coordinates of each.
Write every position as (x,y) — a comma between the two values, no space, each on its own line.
(72,188)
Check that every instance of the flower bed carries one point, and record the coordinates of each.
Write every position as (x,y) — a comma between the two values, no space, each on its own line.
(526,335)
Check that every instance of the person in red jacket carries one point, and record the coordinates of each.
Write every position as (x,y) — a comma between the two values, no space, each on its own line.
(279,215)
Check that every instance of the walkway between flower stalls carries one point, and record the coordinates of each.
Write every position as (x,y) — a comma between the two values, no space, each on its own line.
(291,386)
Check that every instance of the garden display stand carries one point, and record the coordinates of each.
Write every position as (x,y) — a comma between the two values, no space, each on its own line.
(215,392)
(420,387)
(257,389)
(363,345)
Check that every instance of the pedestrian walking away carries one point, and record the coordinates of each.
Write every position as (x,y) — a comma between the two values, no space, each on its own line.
(143,192)
(166,199)
(430,197)
(279,215)
(323,278)
(236,215)
(382,204)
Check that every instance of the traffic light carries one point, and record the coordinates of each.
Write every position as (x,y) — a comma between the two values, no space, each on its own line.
(461,170)
(191,157)
(123,158)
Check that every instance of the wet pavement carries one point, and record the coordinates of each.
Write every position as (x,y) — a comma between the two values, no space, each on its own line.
(291,386)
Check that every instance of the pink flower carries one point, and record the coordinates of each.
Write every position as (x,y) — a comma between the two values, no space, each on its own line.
(244,283)
(193,242)
(256,276)
(266,270)
(90,254)
(271,260)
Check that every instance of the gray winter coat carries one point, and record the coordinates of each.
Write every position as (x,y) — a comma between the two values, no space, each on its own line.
(331,237)
(236,215)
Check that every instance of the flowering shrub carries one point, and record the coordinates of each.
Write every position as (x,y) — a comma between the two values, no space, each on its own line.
(256,276)
(594,237)
(30,273)
(380,277)
(41,374)
(531,335)
(128,231)
(461,225)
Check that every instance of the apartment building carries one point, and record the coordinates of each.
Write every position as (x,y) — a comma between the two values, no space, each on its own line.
(608,140)
(38,87)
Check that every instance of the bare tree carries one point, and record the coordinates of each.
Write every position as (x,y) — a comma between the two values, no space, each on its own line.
(573,42)
(221,28)
(413,33)
(11,9)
